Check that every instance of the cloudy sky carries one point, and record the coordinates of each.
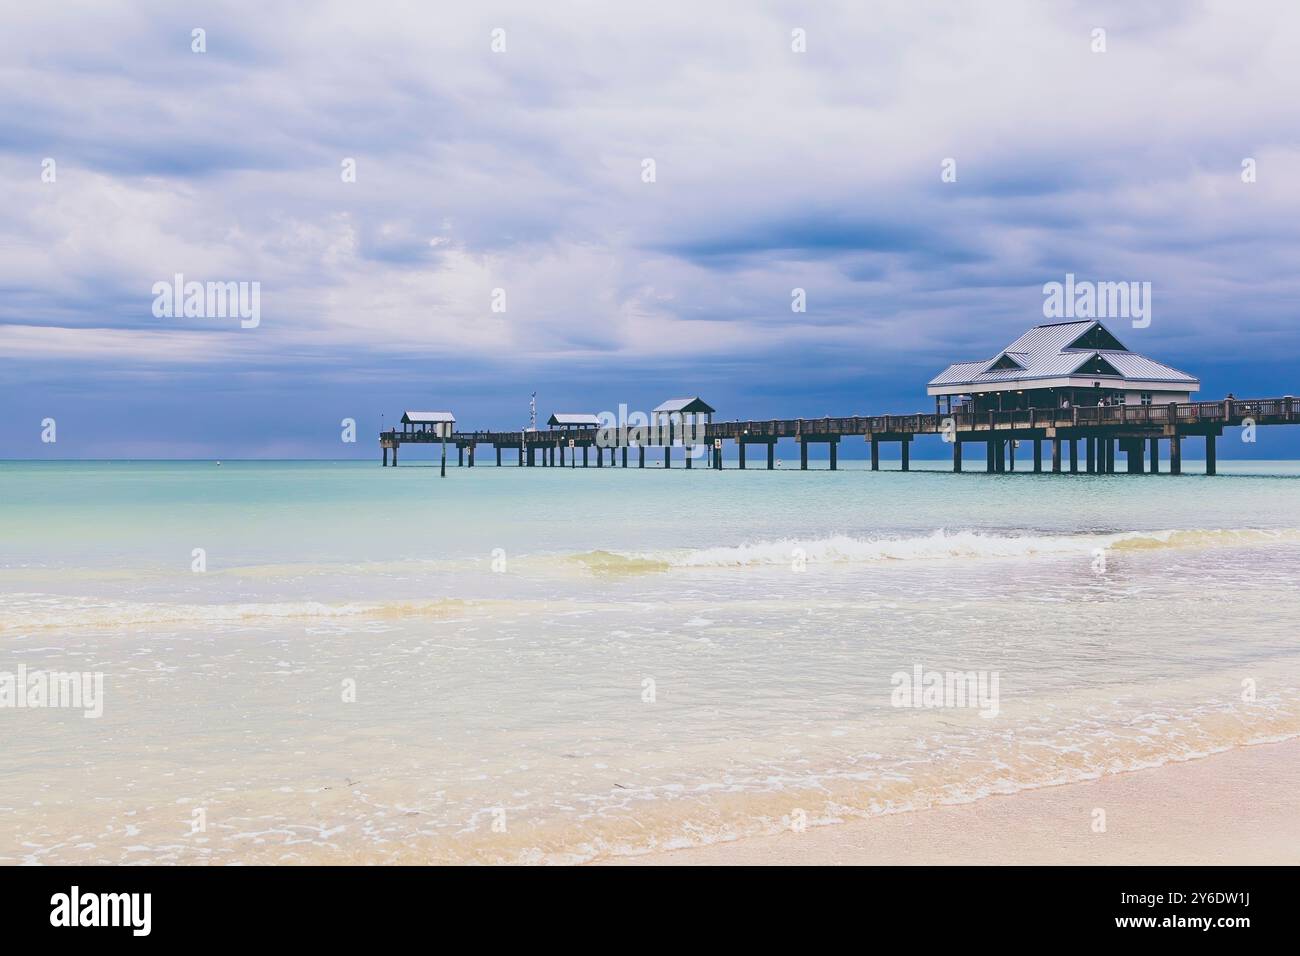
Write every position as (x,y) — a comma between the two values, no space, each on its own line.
(522,170)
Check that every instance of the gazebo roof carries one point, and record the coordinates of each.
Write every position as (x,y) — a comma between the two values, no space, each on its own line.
(1060,350)
(574,418)
(689,405)
(427,418)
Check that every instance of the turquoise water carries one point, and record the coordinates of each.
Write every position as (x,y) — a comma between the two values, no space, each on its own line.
(554,665)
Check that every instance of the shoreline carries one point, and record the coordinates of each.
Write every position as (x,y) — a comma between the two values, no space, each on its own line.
(1239,807)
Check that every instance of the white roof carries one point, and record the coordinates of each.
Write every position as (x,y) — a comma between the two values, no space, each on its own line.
(574,418)
(1060,350)
(693,404)
(430,418)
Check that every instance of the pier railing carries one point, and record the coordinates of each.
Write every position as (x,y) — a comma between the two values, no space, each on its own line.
(1264,411)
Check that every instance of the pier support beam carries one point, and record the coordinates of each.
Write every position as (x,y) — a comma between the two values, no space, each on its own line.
(1133,456)
(641,456)
(835,452)
(1038,455)
(771,455)
(906,450)
(1211,455)
(717,456)
(1074,456)
(584,455)
(1155,456)
(741,449)
(394,456)
(625,456)
(686,454)
(668,456)
(956,455)
(1090,454)
(460,456)
(1011,453)
(1056,455)
(803,456)
(498,448)
(471,455)
(1175,454)
(385,451)
(1110,455)
(875,453)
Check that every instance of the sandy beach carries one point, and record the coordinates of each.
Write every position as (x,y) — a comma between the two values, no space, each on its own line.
(1237,807)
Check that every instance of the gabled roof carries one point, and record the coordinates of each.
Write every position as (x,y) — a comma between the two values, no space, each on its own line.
(427,418)
(574,418)
(689,405)
(1062,350)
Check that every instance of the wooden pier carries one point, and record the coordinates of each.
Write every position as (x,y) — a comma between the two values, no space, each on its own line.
(1137,430)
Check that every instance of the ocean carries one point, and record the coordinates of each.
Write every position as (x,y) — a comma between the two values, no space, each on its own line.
(313,662)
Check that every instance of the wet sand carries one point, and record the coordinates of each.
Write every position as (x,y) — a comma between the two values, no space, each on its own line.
(1237,807)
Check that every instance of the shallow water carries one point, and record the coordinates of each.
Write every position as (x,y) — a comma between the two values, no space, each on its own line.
(556,665)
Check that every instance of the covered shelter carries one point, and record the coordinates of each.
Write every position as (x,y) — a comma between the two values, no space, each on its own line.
(441,424)
(693,413)
(1058,365)
(573,420)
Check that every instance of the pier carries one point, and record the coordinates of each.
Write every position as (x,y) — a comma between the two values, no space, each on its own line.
(1060,384)
(1077,440)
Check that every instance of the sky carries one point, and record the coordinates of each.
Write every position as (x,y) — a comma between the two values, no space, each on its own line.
(502,233)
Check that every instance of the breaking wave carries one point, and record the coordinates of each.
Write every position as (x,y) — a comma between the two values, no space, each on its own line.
(939,546)
(39,611)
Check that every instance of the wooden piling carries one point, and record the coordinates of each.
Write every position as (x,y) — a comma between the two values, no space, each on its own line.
(1056,455)
(771,455)
(742,455)
(1074,456)
(1038,455)
(803,455)
(956,455)
(835,445)
(906,449)
(1175,454)
(875,453)
(1211,455)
